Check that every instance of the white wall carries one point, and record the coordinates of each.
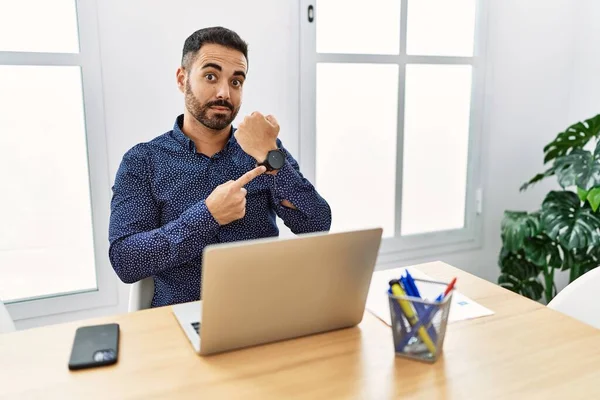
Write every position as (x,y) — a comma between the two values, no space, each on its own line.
(543,75)
(585,93)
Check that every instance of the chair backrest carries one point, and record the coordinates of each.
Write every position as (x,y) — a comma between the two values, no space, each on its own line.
(6,322)
(141,294)
(580,298)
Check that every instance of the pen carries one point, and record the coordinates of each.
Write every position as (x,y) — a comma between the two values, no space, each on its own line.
(410,315)
(448,289)
(411,282)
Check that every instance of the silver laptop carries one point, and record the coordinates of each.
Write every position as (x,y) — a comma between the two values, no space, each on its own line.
(266,290)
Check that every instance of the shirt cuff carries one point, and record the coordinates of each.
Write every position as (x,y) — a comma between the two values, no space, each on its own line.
(198,219)
(288,185)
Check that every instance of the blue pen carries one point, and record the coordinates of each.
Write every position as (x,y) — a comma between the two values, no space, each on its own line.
(412,290)
(412,283)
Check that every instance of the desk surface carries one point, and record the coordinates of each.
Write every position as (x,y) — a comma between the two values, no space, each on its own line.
(525,350)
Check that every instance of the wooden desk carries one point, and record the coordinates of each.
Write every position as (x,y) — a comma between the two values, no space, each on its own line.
(524,351)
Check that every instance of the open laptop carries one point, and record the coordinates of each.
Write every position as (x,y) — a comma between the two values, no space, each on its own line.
(266,290)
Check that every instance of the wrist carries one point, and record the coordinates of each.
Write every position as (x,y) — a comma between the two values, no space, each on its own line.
(263,155)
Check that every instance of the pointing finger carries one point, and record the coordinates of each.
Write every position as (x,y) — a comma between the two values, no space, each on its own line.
(248,176)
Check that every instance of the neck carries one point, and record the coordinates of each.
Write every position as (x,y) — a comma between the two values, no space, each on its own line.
(207,141)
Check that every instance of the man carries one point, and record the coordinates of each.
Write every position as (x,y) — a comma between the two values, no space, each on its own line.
(199,184)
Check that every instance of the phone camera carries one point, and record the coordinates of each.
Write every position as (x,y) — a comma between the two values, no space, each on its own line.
(104,355)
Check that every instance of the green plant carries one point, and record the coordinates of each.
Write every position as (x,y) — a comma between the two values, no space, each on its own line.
(565,233)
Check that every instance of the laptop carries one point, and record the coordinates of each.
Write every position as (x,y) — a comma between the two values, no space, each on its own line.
(267,290)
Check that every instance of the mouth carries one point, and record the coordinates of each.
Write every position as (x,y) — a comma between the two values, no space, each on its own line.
(220,109)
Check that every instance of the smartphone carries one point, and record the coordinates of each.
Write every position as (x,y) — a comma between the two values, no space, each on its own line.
(95,346)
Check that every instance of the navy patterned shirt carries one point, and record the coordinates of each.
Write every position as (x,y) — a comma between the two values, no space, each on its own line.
(159,223)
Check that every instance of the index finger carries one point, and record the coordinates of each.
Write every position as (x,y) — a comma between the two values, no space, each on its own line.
(248,176)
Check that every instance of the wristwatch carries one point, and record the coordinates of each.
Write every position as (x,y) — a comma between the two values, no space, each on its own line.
(274,161)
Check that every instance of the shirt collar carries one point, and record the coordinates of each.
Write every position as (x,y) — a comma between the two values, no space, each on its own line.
(188,143)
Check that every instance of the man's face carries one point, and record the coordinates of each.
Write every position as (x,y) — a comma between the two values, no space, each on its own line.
(213,85)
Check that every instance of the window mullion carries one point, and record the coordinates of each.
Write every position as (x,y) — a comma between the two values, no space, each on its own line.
(400,115)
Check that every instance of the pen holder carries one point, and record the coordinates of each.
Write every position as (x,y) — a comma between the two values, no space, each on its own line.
(419,325)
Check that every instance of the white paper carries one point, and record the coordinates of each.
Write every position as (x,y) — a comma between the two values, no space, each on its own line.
(462,307)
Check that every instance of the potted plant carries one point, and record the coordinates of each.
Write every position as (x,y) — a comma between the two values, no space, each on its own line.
(564,234)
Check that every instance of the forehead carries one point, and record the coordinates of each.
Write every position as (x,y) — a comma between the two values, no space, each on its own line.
(224,56)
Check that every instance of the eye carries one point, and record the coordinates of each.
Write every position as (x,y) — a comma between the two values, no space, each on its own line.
(236,83)
(211,77)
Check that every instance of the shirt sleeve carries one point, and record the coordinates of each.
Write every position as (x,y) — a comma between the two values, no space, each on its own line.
(139,246)
(313,213)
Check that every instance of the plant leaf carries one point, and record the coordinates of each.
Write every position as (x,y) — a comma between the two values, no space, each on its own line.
(516,226)
(519,275)
(580,168)
(594,198)
(575,137)
(542,251)
(565,221)
(537,178)
(582,194)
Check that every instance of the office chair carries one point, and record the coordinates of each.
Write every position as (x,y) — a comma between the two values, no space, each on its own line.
(580,299)
(141,294)
(6,322)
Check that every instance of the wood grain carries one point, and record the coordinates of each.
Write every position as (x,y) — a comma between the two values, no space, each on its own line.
(523,351)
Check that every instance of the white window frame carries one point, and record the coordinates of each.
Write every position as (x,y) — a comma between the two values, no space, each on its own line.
(89,60)
(420,245)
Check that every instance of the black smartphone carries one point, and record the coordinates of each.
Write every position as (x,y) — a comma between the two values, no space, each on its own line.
(95,346)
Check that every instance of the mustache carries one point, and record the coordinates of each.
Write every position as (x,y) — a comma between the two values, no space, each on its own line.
(219,103)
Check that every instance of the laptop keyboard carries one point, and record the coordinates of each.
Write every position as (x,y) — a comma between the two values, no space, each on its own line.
(196,326)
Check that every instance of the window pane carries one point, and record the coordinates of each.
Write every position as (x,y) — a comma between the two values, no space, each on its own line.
(441,27)
(436,136)
(356,143)
(48,26)
(356,27)
(46,242)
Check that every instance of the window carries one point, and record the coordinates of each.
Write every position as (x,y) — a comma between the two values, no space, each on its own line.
(391,108)
(53,167)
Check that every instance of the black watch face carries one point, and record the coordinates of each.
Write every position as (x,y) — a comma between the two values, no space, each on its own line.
(276,159)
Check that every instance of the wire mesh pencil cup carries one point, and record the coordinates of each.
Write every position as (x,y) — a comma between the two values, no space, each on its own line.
(419,325)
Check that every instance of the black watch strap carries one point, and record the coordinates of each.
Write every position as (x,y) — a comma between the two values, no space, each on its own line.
(265,164)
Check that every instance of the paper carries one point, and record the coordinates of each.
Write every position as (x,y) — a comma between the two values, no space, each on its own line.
(462,307)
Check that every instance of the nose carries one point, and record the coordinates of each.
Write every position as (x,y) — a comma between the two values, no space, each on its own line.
(223,91)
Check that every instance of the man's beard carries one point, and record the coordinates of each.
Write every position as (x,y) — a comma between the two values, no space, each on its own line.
(199,111)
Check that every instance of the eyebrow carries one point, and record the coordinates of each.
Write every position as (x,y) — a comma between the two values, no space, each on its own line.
(219,68)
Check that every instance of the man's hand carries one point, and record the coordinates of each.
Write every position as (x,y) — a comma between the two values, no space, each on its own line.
(227,203)
(257,135)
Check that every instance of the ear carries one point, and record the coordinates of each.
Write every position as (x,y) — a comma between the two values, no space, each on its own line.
(181,77)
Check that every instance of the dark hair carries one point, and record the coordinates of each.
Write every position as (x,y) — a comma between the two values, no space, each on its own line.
(213,35)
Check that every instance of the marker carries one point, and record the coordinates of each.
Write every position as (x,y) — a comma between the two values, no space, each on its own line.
(410,314)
